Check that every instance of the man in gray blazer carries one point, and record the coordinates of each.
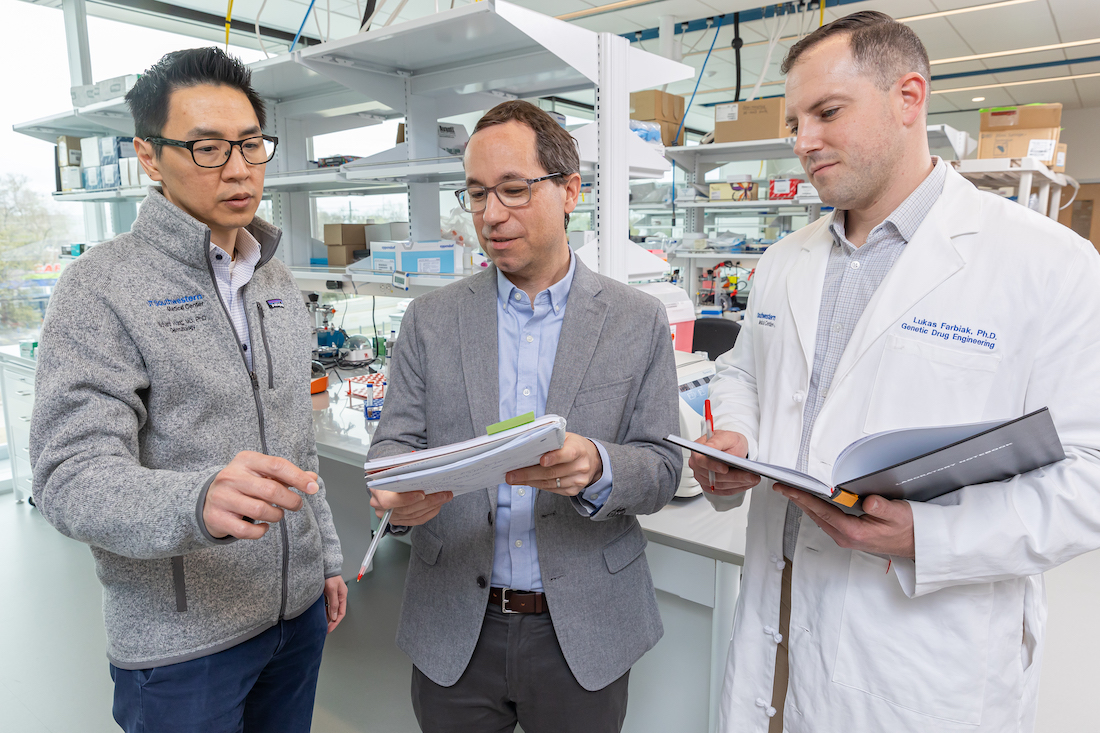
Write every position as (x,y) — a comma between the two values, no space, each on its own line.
(529,602)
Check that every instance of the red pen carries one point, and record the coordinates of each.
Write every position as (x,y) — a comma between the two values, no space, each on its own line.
(710,433)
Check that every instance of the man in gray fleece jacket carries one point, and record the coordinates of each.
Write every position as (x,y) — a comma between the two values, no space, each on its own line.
(172,429)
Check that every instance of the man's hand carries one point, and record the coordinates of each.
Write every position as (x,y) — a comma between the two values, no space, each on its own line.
(410,508)
(576,465)
(336,601)
(728,481)
(257,486)
(885,529)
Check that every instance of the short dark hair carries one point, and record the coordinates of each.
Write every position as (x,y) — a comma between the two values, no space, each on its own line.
(556,148)
(148,100)
(880,46)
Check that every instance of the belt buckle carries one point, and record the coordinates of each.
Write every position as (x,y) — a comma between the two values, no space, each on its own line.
(504,600)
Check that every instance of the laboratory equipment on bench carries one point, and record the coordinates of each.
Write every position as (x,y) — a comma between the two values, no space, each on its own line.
(693,375)
(327,339)
(318,381)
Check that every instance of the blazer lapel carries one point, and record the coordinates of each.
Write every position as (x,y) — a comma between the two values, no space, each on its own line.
(928,260)
(804,283)
(580,332)
(477,344)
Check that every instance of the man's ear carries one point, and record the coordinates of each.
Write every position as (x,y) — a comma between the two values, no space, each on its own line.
(913,92)
(572,192)
(148,158)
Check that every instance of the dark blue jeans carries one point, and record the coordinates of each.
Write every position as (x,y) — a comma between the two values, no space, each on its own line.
(267,683)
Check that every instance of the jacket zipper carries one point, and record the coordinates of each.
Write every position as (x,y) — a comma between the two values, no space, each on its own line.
(260,415)
(267,351)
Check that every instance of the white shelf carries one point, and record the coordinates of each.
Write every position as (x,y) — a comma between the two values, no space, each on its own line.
(1004,172)
(742,205)
(716,154)
(133,193)
(715,255)
(110,117)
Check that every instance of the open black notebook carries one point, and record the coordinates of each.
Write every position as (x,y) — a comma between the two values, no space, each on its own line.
(919,464)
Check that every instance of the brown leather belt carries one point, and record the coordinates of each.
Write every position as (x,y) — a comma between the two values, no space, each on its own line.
(515,601)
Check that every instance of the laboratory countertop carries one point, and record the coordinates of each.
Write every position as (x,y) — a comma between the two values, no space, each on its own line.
(343,434)
(10,355)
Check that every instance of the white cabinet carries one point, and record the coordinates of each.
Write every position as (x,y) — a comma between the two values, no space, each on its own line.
(17,383)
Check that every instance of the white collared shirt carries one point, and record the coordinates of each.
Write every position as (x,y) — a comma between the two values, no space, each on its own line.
(231,275)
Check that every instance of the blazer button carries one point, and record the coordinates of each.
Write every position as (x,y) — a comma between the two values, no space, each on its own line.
(481,581)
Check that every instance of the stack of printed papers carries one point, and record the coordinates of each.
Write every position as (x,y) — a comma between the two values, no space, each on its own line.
(471,465)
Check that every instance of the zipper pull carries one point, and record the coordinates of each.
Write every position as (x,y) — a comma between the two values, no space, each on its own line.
(255,382)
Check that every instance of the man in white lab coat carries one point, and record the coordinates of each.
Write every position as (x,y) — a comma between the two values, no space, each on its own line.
(920,301)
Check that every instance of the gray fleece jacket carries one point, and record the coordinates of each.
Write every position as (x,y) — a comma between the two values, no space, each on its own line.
(142,395)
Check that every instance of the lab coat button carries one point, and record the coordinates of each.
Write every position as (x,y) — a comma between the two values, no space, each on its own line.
(798,396)
(779,564)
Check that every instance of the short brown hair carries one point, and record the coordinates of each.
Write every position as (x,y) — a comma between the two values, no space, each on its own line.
(880,46)
(557,150)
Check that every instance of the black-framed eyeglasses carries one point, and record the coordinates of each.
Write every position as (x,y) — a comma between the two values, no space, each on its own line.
(214,152)
(511,193)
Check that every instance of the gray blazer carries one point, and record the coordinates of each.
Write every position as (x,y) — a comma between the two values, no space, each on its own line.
(614,380)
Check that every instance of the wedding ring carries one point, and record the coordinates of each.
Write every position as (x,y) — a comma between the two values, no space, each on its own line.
(558,482)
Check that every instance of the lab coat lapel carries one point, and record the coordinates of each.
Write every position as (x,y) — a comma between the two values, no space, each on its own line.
(804,284)
(929,259)
(477,325)
(580,332)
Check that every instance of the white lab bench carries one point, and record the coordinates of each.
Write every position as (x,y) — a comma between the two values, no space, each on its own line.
(694,553)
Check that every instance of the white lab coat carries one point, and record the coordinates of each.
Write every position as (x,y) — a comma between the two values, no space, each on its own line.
(953,641)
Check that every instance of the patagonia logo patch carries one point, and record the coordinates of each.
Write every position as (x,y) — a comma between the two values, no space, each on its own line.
(275,303)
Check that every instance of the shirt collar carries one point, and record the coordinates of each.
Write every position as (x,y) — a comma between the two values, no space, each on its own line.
(907,218)
(247,249)
(558,293)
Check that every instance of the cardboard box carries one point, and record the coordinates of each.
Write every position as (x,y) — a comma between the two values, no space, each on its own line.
(452,138)
(117,86)
(668,132)
(1028,131)
(344,254)
(1038,143)
(71,178)
(344,234)
(783,189)
(136,172)
(68,150)
(109,176)
(383,256)
(762,119)
(655,105)
(89,152)
(84,94)
(1024,117)
(113,148)
(737,191)
(378,233)
(1060,159)
(92,180)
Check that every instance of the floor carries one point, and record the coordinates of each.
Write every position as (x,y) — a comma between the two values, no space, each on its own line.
(54,678)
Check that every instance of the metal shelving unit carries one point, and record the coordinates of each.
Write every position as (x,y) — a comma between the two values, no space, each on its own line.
(1020,174)
(457,61)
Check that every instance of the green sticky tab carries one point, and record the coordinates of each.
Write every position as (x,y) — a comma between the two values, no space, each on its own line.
(515,422)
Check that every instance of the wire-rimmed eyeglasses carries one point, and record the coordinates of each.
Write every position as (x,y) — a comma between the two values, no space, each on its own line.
(511,193)
(214,152)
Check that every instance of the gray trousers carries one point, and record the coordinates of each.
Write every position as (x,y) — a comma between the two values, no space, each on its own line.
(517,674)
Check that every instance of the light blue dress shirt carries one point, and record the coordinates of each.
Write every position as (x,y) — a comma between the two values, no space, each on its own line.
(527,341)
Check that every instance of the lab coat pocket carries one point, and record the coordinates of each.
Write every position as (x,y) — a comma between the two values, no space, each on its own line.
(921,384)
(924,654)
